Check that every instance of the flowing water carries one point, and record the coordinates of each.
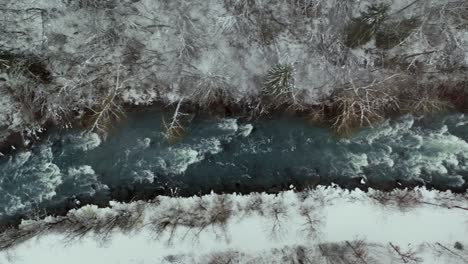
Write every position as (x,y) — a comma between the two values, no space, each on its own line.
(225,152)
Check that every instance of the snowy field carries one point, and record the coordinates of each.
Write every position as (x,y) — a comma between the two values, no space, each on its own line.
(325,225)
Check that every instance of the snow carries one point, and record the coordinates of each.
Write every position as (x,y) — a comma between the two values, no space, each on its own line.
(253,232)
(166,51)
(85,141)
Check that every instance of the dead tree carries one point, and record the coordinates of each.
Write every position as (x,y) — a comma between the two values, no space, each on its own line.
(347,252)
(408,256)
(108,109)
(359,249)
(278,212)
(312,223)
(361,106)
(425,101)
(174,129)
(444,248)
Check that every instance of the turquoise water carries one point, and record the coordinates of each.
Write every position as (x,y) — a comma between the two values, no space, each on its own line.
(225,154)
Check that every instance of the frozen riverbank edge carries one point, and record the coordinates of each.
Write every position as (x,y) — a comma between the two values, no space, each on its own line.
(61,61)
(317,225)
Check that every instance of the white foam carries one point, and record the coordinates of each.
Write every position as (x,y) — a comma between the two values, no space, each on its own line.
(144,176)
(87,141)
(37,178)
(84,179)
(144,143)
(245,130)
(211,145)
(181,158)
(229,124)
(426,152)
(80,170)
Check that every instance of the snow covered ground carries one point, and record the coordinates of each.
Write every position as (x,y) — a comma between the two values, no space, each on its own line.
(163,51)
(324,225)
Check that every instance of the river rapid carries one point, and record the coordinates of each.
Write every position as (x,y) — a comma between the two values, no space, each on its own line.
(226,155)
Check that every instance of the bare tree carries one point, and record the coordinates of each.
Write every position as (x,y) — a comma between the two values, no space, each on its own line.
(347,252)
(254,204)
(170,219)
(451,252)
(108,109)
(223,257)
(361,106)
(193,218)
(409,256)
(402,199)
(174,129)
(76,224)
(425,101)
(13,236)
(86,221)
(312,220)
(336,253)
(278,212)
(359,250)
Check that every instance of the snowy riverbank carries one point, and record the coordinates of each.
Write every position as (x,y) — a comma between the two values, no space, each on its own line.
(324,225)
(61,61)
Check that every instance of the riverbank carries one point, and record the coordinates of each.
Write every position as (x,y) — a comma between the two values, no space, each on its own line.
(309,225)
(149,192)
(78,56)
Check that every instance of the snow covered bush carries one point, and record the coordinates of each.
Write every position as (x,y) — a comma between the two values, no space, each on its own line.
(88,220)
(322,225)
(425,100)
(219,52)
(210,89)
(101,223)
(360,106)
(192,218)
(402,199)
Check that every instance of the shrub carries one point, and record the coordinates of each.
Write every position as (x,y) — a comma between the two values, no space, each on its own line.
(211,89)
(458,245)
(424,101)
(354,108)
(402,199)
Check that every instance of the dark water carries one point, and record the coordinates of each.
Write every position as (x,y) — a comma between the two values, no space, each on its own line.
(226,153)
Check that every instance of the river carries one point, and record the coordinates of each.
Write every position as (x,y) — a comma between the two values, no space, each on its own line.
(226,154)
